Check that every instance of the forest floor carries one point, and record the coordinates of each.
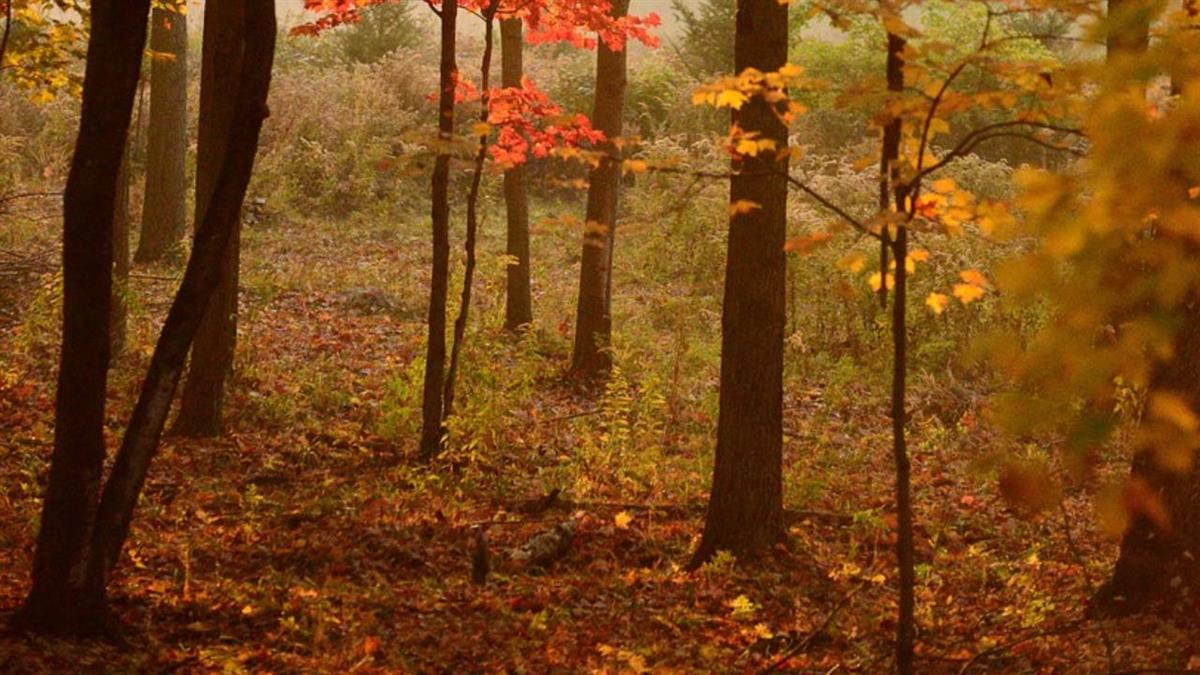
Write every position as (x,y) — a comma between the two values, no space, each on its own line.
(310,540)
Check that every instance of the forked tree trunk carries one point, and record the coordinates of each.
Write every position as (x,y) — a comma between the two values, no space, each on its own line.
(164,210)
(518,298)
(118,37)
(592,357)
(745,509)
(432,426)
(1156,562)
(119,312)
(200,410)
(200,280)
(469,245)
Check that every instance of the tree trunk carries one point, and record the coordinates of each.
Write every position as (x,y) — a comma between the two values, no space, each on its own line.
(118,37)
(518,299)
(1153,557)
(905,624)
(435,359)
(464,307)
(164,214)
(200,281)
(119,312)
(200,410)
(745,510)
(592,358)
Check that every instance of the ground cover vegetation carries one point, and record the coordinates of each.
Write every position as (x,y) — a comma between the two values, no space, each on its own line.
(536,335)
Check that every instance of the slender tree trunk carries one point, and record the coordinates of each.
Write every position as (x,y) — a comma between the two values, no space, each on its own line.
(887,177)
(905,624)
(200,410)
(164,210)
(119,312)
(592,358)
(200,281)
(464,308)
(118,36)
(518,299)
(435,359)
(7,31)
(745,510)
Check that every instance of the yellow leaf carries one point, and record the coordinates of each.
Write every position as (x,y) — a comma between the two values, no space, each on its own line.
(852,262)
(806,243)
(1169,407)
(974,277)
(876,283)
(731,98)
(634,166)
(622,520)
(742,207)
(968,293)
(481,129)
(944,186)
(937,302)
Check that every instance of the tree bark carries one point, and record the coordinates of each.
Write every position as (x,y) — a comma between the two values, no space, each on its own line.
(432,426)
(118,36)
(164,210)
(200,280)
(591,358)
(518,299)
(745,509)
(200,410)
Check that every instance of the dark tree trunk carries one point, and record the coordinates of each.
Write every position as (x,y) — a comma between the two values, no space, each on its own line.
(164,210)
(905,624)
(1160,563)
(518,299)
(200,280)
(1152,557)
(1130,27)
(745,510)
(200,410)
(119,312)
(592,358)
(464,307)
(118,36)
(435,359)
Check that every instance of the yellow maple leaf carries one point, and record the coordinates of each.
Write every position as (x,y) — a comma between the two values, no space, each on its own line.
(622,520)
(634,166)
(731,98)
(937,302)
(974,277)
(968,293)
(742,207)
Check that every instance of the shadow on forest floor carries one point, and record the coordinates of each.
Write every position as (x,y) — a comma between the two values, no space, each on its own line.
(307,539)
